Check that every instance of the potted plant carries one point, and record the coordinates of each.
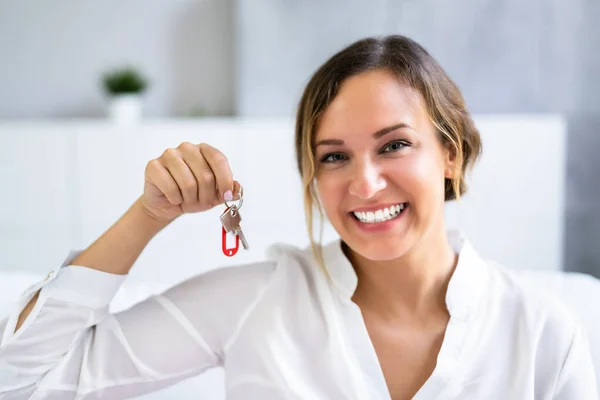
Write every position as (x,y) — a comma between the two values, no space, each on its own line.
(125,88)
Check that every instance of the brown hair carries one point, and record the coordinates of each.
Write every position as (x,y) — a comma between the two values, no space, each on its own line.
(414,66)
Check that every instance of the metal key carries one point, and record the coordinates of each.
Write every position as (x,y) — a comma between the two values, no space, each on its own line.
(231,219)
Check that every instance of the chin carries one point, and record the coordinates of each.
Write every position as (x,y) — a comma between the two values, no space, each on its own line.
(380,250)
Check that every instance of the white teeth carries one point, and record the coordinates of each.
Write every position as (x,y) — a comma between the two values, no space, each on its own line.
(379,215)
(370,216)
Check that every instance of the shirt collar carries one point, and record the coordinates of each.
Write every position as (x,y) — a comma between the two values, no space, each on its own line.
(464,289)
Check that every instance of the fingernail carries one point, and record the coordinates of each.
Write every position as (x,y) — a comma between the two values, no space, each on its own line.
(228,195)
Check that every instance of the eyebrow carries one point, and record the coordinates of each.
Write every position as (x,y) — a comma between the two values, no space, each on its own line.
(376,135)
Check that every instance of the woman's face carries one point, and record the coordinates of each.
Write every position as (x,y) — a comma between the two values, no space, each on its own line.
(380,166)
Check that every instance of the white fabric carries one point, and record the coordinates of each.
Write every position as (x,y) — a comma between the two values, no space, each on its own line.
(580,293)
(281,330)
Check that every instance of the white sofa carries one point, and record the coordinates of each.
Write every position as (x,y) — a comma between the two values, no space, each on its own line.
(577,291)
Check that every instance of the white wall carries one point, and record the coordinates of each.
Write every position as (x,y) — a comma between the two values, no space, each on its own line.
(251,58)
(54,52)
(64,184)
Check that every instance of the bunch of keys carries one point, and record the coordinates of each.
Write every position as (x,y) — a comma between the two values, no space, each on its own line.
(230,219)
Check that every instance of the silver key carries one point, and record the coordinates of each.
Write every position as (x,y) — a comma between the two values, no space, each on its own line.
(231,219)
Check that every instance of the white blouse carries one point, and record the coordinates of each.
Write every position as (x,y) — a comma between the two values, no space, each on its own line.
(281,330)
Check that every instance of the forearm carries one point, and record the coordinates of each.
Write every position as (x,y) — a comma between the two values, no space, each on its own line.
(119,247)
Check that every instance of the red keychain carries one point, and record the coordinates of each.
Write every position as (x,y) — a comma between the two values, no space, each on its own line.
(231,251)
(230,221)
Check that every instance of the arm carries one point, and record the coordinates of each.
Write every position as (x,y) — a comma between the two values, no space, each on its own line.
(577,378)
(116,250)
(72,347)
(62,341)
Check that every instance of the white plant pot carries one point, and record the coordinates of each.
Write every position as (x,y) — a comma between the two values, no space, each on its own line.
(125,108)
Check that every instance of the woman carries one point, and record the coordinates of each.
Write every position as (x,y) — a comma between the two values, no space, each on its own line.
(396,309)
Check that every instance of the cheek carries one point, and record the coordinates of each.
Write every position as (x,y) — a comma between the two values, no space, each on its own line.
(422,176)
(331,194)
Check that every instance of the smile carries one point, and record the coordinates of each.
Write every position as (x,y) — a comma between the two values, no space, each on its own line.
(385,214)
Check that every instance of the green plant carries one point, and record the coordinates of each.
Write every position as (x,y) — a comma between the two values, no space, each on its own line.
(126,80)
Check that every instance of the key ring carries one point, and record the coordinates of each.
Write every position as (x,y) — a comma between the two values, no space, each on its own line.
(241,200)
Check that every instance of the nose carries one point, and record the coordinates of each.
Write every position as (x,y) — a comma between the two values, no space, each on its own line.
(366,180)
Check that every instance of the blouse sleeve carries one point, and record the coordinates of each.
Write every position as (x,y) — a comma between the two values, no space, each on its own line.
(71,346)
(577,377)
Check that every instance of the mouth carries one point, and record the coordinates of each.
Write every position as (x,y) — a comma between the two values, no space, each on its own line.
(382,215)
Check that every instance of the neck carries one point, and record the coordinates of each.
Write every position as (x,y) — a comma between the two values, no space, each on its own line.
(411,285)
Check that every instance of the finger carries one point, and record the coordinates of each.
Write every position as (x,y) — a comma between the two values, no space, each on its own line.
(183,176)
(160,177)
(202,171)
(220,167)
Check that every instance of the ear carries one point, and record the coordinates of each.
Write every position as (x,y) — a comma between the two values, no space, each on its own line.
(449,162)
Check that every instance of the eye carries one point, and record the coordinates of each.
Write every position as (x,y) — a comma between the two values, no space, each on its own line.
(333,157)
(394,146)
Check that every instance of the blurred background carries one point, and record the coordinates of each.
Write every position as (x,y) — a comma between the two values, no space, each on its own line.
(215,58)
(74,141)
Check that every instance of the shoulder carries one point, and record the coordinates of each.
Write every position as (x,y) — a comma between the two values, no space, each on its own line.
(235,288)
(242,279)
(550,314)
(529,292)
(533,305)
(214,303)
(246,281)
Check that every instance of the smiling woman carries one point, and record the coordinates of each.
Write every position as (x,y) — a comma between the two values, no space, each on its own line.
(384,194)
(396,308)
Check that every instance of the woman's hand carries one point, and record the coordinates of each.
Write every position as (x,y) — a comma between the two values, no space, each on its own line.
(188,179)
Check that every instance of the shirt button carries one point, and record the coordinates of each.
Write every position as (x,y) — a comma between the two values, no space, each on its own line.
(50,275)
